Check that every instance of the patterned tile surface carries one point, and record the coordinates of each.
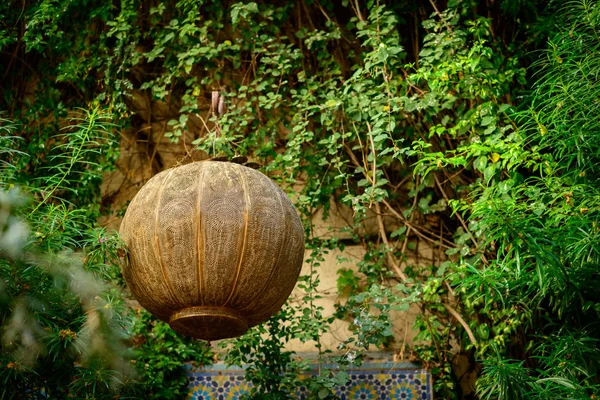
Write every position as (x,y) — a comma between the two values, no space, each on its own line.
(372,381)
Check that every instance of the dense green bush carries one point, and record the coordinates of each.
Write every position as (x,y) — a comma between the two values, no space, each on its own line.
(421,115)
(66,328)
(544,231)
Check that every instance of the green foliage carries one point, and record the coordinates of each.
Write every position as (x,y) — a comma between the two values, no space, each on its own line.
(274,372)
(64,328)
(160,357)
(544,229)
(402,113)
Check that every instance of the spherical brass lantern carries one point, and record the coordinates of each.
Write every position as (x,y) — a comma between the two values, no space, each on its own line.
(214,248)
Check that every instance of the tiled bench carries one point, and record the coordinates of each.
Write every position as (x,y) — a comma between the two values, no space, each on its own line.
(373,381)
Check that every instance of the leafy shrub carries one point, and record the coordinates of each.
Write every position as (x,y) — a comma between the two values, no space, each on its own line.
(64,329)
(67,330)
(161,354)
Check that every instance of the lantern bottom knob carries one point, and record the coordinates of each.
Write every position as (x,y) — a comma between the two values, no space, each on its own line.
(208,323)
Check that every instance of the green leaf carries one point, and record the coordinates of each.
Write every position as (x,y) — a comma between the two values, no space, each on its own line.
(425,52)
(380,137)
(487,120)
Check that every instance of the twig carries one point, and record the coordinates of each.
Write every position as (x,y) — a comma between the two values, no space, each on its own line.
(449,178)
(462,221)
(440,15)
(374,168)
(396,213)
(155,150)
(351,154)
(203,122)
(390,257)
(441,238)
(456,315)
(308,16)
(323,11)
(405,244)
(410,225)
(356,8)
(187,152)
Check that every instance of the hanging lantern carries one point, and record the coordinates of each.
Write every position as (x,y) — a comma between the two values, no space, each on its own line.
(214,248)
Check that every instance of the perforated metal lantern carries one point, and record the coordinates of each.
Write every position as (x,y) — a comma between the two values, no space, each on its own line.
(213,248)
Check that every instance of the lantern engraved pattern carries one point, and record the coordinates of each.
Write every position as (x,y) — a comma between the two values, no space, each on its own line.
(213,248)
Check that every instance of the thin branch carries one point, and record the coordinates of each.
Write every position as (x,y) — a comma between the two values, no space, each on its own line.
(396,213)
(390,257)
(440,15)
(456,315)
(356,7)
(413,227)
(374,168)
(323,11)
(155,150)
(460,218)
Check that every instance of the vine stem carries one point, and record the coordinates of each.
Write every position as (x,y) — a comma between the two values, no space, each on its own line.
(390,257)
(413,227)
(460,319)
(460,218)
(440,15)
(392,210)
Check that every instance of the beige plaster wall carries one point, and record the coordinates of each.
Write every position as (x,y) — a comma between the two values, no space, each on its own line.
(340,329)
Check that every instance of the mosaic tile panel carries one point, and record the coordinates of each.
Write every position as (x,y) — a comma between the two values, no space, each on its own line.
(372,381)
